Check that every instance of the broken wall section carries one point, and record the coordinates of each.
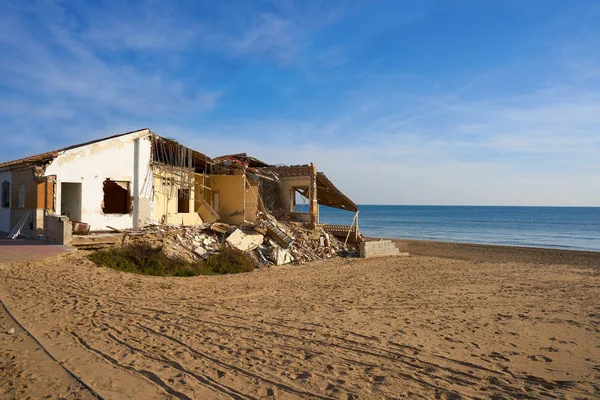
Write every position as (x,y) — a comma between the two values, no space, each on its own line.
(174,201)
(293,179)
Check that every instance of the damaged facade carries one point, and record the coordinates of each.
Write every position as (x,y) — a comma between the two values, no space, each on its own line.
(139,179)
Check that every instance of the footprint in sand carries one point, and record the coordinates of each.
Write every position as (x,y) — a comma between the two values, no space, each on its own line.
(539,358)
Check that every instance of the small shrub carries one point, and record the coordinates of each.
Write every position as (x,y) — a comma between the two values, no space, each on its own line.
(114,258)
(142,258)
(230,261)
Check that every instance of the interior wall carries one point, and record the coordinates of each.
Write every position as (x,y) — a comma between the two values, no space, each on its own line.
(231,193)
(286,187)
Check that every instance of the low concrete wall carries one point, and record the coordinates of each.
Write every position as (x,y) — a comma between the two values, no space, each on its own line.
(379,248)
(58,229)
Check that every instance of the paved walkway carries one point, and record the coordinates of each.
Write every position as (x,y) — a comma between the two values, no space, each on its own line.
(26,249)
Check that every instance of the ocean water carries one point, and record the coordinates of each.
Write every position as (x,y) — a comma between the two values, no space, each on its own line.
(575,228)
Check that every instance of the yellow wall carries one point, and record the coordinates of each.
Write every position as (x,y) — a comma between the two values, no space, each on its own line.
(231,197)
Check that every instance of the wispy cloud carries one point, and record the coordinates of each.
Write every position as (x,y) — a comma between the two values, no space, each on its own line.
(281,31)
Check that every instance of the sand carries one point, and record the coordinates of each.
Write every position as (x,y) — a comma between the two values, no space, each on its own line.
(482,323)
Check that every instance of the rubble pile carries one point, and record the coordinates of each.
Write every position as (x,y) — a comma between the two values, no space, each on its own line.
(269,242)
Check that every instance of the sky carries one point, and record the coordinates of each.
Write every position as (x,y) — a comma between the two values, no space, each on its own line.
(463,102)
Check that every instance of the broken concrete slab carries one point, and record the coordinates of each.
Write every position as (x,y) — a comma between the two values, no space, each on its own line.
(243,241)
(207,213)
(200,251)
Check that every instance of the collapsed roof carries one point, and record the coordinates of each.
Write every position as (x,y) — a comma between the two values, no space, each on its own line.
(327,194)
(170,152)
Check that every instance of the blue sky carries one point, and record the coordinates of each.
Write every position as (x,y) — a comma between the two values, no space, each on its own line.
(398,102)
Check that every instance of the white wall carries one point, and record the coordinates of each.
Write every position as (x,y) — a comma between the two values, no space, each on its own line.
(5,212)
(125,158)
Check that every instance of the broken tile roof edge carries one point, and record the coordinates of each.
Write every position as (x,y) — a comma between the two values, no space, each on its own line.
(42,158)
(251,161)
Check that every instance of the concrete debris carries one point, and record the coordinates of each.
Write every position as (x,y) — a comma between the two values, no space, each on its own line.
(244,242)
(268,241)
(200,251)
(281,256)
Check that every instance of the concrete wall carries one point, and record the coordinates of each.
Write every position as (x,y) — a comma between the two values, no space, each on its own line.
(378,248)
(124,158)
(57,230)
(5,212)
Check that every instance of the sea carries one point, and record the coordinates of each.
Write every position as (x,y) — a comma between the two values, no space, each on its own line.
(573,228)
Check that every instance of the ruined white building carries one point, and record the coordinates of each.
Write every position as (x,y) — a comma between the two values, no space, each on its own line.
(122,181)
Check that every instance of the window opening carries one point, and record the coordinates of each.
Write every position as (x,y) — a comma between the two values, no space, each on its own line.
(117,199)
(183,200)
(6,194)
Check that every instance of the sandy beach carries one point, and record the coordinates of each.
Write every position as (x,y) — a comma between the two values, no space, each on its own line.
(450,321)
